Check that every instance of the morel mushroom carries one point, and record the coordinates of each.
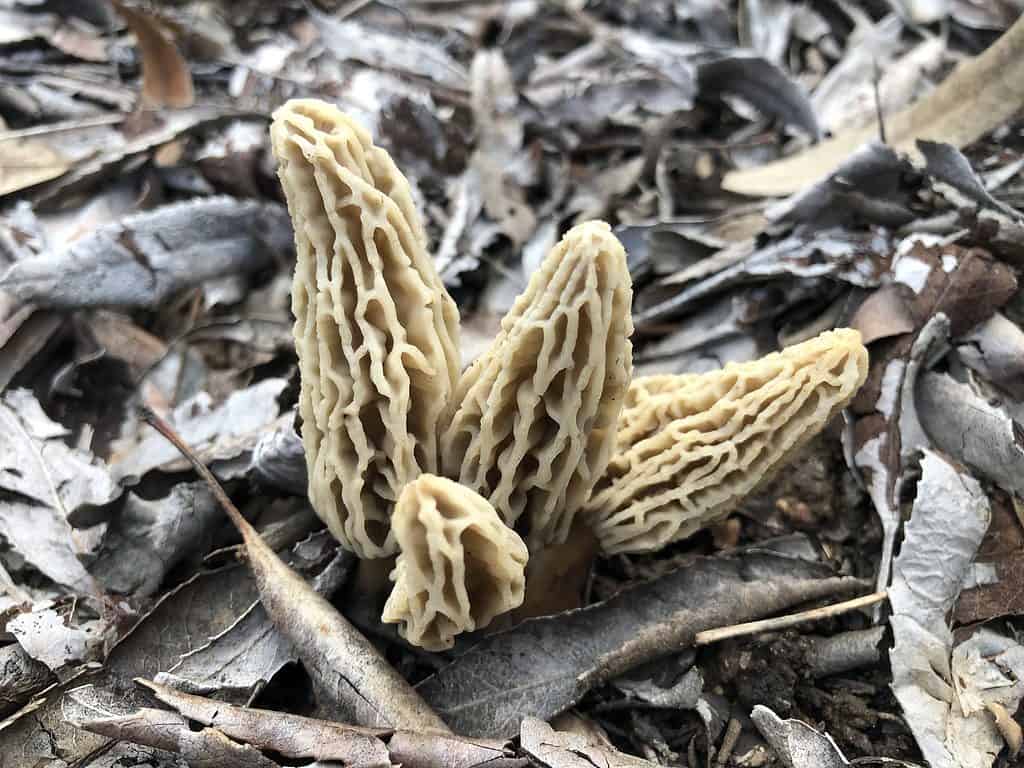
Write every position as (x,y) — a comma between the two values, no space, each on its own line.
(532,421)
(459,565)
(375,332)
(691,447)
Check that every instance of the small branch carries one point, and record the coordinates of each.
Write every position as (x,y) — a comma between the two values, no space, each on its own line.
(781,622)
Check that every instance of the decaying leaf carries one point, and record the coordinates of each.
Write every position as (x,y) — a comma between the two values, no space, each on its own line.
(237,662)
(224,435)
(146,257)
(980,94)
(348,671)
(974,432)
(166,79)
(147,538)
(796,743)
(45,481)
(944,689)
(544,666)
(559,749)
(762,84)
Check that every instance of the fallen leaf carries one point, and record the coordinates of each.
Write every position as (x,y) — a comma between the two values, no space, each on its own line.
(237,662)
(145,539)
(995,350)
(201,748)
(797,744)
(46,636)
(762,84)
(166,77)
(27,162)
(45,481)
(947,164)
(560,749)
(980,94)
(944,689)
(143,259)
(543,666)
(969,429)
(224,435)
(351,677)
(21,677)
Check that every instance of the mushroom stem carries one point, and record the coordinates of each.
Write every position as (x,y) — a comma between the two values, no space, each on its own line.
(557,576)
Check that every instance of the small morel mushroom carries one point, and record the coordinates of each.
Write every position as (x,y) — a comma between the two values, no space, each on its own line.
(532,422)
(691,447)
(459,565)
(375,332)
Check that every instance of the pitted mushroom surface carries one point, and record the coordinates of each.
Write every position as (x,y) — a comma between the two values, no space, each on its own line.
(459,566)
(375,332)
(691,447)
(532,422)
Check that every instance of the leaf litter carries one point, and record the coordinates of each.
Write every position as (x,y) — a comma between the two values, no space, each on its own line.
(145,259)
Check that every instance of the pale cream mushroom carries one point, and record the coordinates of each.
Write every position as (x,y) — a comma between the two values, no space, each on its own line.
(532,422)
(375,332)
(459,565)
(691,447)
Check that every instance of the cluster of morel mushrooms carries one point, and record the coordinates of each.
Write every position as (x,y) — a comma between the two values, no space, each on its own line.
(467,475)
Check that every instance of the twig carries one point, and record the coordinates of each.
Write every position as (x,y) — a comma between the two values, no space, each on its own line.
(781,622)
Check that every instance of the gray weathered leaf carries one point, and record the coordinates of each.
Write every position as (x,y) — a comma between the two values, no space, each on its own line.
(947,164)
(46,636)
(995,349)
(224,436)
(965,426)
(796,743)
(146,538)
(543,666)
(762,84)
(839,254)
(46,481)
(279,458)
(944,690)
(234,663)
(145,258)
(869,185)
(381,49)
(560,749)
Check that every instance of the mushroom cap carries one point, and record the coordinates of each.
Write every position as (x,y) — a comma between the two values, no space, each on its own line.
(459,565)
(691,447)
(375,332)
(532,423)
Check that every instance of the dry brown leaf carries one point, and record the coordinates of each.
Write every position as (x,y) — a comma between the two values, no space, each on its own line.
(25,162)
(980,94)
(166,78)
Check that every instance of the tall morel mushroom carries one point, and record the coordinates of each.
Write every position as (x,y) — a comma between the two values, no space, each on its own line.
(691,447)
(532,423)
(375,331)
(459,564)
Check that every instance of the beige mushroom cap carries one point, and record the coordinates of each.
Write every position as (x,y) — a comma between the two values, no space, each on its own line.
(459,564)
(375,332)
(532,423)
(691,447)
